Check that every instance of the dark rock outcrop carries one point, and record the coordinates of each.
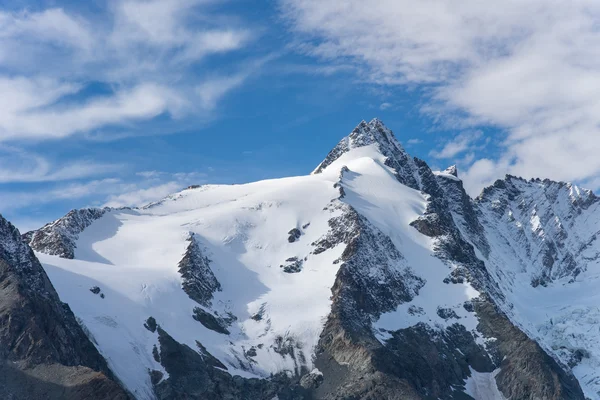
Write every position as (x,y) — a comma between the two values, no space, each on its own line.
(526,371)
(44,353)
(292,265)
(210,321)
(198,280)
(58,238)
(195,376)
(421,362)
(294,235)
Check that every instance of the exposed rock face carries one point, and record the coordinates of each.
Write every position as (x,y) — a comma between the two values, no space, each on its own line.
(540,220)
(420,362)
(375,133)
(463,210)
(44,353)
(292,265)
(58,238)
(376,276)
(210,321)
(526,371)
(198,280)
(198,375)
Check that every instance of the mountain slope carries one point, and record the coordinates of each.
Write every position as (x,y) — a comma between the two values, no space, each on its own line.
(546,257)
(373,277)
(44,353)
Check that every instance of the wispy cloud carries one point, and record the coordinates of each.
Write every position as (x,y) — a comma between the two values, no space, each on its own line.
(149,53)
(530,67)
(139,197)
(148,186)
(457,145)
(29,118)
(17,165)
(212,91)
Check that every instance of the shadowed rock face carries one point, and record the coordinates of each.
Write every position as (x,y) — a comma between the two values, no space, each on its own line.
(422,361)
(198,375)
(44,353)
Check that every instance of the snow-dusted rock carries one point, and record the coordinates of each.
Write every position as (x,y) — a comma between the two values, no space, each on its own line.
(44,352)
(198,280)
(384,275)
(59,238)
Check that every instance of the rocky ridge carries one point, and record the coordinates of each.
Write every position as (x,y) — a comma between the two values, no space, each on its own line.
(59,237)
(355,357)
(44,353)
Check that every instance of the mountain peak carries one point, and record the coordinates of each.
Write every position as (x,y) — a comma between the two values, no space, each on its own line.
(513,187)
(452,170)
(365,134)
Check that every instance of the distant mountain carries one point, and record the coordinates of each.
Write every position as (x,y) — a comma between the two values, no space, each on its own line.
(372,278)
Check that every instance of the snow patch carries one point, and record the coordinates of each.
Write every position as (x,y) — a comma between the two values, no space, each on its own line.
(482,385)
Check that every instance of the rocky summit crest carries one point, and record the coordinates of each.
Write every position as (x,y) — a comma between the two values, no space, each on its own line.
(365,134)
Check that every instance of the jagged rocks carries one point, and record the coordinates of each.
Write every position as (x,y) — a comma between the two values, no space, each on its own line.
(526,371)
(156,376)
(210,321)
(193,376)
(294,235)
(539,219)
(198,280)
(376,133)
(372,279)
(312,380)
(447,313)
(150,324)
(292,265)
(59,238)
(44,353)
(260,314)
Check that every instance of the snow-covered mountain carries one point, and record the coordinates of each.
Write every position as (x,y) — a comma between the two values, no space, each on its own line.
(374,277)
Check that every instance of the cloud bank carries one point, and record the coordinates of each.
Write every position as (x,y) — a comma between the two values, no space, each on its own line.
(529,67)
(147,55)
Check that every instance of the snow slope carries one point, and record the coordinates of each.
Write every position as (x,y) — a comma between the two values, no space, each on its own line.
(132,256)
(546,258)
(273,289)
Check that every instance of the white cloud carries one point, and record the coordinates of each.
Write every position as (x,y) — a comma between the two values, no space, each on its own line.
(531,67)
(26,118)
(10,201)
(147,187)
(146,52)
(413,141)
(385,106)
(17,165)
(212,91)
(165,25)
(33,29)
(139,197)
(457,145)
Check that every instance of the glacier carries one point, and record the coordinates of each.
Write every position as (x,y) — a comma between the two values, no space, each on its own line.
(346,269)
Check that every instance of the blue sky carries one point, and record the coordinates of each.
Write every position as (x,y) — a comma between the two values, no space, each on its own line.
(122,102)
